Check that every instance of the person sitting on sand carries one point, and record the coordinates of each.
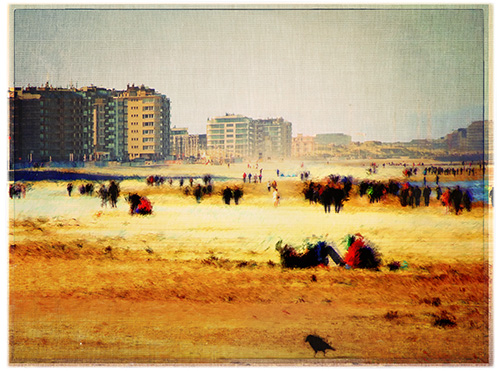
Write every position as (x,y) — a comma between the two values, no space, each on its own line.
(134,200)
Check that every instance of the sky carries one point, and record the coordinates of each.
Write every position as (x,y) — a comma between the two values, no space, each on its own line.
(387,73)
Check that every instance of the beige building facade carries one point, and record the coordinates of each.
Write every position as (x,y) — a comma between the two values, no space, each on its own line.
(148,123)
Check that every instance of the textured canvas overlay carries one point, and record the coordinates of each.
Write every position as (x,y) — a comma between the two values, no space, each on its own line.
(250,185)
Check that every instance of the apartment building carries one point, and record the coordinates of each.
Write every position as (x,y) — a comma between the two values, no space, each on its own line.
(56,124)
(196,145)
(179,138)
(46,124)
(303,146)
(273,138)
(102,138)
(230,136)
(237,136)
(146,116)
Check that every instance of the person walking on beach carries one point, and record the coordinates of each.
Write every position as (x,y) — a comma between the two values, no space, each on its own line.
(198,193)
(417,194)
(439,192)
(103,195)
(326,197)
(227,194)
(237,194)
(427,195)
(113,192)
(244,177)
(446,199)
(339,195)
(276,197)
(69,188)
(456,198)
(467,199)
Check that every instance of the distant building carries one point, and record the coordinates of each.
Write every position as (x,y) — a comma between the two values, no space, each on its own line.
(196,146)
(178,142)
(237,136)
(303,146)
(46,125)
(230,136)
(147,115)
(273,138)
(56,124)
(103,139)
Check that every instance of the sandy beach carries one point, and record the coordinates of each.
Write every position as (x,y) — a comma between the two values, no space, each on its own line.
(202,282)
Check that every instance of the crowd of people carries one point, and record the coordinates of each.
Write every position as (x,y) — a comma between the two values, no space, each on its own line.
(333,191)
(257,178)
(155,180)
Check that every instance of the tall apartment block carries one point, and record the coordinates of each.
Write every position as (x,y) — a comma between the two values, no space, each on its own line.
(179,138)
(103,139)
(236,136)
(46,125)
(55,124)
(147,117)
(230,136)
(274,138)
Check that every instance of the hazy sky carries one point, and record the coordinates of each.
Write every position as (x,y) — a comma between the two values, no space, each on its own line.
(389,74)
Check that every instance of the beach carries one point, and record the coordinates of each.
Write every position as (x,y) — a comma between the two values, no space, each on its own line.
(201,282)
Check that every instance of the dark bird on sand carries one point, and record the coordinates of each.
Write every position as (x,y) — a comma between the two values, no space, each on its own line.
(318,344)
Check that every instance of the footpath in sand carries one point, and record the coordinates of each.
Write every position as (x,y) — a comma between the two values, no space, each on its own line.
(203,283)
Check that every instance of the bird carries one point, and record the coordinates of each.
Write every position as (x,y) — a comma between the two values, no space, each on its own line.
(318,344)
